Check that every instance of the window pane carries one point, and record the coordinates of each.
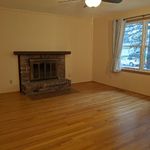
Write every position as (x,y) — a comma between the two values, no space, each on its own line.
(147,51)
(148,34)
(130,57)
(133,34)
(147,59)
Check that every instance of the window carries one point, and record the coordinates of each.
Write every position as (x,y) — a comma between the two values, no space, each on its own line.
(135,53)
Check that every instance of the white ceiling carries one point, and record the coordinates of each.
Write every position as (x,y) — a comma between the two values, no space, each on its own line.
(73,8)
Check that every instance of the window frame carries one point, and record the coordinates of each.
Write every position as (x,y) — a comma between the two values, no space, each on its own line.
(143,47)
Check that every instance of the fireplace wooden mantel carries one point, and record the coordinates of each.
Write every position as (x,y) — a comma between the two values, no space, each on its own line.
(42,52)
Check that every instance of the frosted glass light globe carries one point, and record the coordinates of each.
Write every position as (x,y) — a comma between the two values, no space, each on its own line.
(93,3)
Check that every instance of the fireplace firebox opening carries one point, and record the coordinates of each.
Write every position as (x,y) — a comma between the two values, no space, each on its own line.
(43,69)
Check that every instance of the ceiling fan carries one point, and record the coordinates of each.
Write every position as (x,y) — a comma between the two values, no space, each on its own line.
(91,3)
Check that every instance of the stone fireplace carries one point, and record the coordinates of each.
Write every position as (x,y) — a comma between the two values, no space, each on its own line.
(41,72)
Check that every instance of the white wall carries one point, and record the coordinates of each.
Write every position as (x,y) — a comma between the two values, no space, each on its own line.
(20,30)
(103,56)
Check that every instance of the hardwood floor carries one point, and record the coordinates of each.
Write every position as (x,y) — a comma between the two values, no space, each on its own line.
(95,117)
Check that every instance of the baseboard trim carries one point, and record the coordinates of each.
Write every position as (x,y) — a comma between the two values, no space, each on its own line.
(121,89)
(10,92)
(82,82)
(104,84)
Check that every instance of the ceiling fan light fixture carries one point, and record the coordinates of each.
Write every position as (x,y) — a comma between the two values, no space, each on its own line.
(93,3)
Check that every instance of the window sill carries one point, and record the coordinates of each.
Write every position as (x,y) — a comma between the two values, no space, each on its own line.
(136,71)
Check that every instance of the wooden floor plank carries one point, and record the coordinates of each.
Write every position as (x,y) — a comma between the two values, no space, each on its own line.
(93,117)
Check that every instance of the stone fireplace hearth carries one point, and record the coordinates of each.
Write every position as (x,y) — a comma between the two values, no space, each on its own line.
(41,72)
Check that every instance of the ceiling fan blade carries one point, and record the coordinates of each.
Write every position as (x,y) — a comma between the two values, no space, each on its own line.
(112,1)
(73,1)
(66,1)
